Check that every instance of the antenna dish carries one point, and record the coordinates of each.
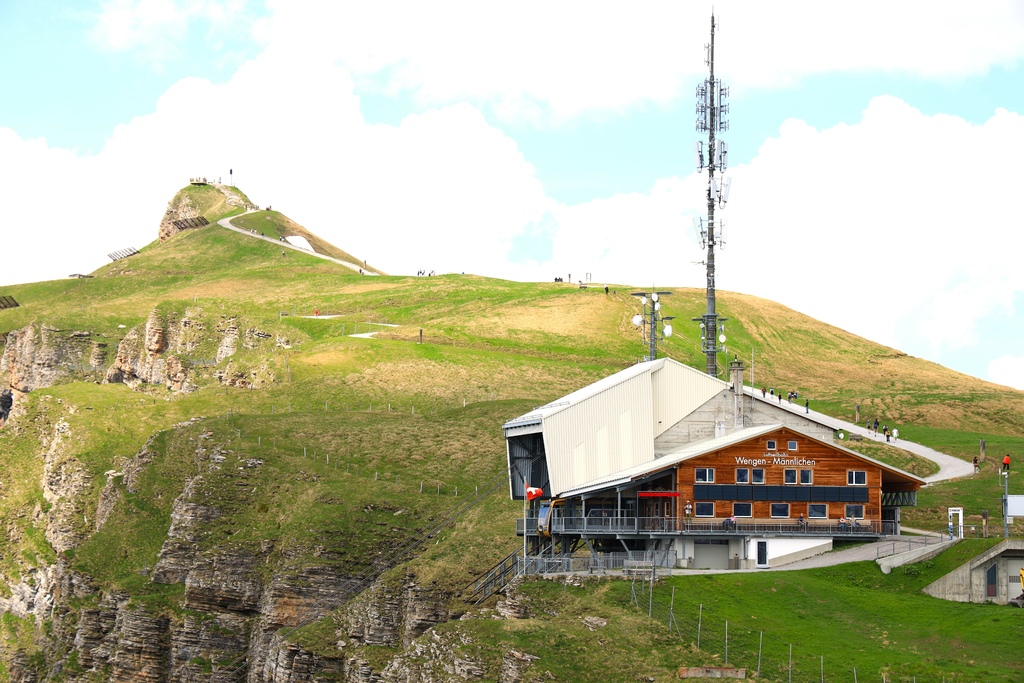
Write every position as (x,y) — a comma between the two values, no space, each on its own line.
(654,297)
(668,331)
(841,436)
(643,300)
(721,338)
(637,319)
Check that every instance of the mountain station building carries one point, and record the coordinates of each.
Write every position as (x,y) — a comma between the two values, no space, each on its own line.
(706,473)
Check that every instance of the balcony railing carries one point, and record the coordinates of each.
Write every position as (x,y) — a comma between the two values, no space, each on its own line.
(662,525)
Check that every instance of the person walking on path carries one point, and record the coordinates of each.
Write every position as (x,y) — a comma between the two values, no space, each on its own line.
(1006,463)
(895,435)
(885,430)
(876,426)
(976,468)
(763,392)
(807,406)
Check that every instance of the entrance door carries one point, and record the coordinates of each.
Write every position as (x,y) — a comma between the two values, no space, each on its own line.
(991,575)
(1014,587)
(762,553)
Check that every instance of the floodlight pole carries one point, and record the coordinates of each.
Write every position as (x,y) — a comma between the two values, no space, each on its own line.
(711,109)
(648,320)
(1006,504)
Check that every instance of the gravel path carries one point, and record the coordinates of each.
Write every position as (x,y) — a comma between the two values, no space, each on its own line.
(949,467)
(226,223)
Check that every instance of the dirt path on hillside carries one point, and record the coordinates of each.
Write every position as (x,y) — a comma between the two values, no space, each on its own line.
(949,467)
(226,223)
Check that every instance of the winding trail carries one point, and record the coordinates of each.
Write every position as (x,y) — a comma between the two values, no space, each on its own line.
(226,223)
(949,467)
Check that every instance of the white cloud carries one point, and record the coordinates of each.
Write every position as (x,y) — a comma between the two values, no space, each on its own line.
(556,61)
(1008,371)
(156,28)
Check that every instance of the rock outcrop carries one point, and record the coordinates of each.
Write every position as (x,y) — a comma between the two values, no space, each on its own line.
(39,356)
(179,208)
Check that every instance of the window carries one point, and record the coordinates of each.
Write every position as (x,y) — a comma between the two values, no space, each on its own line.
(704,509)
(855,511)
(742,509)
(743,476)
(780,509)
(705,475)
(758,476)
(806,476)
(771,444)
(792,445)
(817,511)
(790,477)
(856,478)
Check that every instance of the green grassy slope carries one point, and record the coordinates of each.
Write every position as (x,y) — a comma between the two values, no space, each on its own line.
(392,413)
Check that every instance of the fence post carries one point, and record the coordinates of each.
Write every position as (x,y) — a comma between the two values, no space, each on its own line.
(791,663)
(727,642)
(700,621)
(760,644)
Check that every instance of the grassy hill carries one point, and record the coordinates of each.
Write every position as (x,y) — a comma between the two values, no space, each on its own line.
(351,445)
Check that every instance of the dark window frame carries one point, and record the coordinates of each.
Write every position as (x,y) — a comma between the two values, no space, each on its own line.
(785,477)
(780,505)
(707,471)
(737,513)
(699,505)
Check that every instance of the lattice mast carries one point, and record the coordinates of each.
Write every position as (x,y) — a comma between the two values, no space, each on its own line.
(711,111)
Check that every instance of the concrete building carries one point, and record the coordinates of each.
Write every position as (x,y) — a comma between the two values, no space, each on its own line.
(993,576)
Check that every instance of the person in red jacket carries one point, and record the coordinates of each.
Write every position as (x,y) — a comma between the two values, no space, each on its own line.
(1006,463)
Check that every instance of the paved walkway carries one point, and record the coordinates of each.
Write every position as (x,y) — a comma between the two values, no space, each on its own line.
(226,223)
(949,467)
(857,553)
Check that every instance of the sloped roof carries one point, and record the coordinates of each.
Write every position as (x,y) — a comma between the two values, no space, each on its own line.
(589,391)
(711,445)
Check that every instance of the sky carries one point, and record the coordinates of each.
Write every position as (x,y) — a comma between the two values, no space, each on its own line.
(875,148)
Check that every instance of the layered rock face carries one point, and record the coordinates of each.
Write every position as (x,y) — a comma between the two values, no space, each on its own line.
(178,208)
(142,356)
(39,356)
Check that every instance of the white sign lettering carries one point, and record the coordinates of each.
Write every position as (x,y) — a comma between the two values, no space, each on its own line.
(770,459)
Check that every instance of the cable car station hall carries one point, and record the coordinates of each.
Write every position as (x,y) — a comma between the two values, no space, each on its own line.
(706,473)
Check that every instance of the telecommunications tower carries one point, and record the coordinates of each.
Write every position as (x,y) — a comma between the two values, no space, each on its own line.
(711,112)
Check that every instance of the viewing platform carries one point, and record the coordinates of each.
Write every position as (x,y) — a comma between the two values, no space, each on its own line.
(660,527)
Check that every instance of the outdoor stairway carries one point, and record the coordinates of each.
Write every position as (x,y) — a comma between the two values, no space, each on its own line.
(497,577)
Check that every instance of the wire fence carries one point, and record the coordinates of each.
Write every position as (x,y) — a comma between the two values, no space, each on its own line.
(763,655)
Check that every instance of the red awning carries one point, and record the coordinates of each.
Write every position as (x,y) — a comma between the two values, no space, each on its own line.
(659,494)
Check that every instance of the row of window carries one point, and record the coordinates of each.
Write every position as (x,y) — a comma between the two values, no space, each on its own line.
(790,445)
(814,510)
(706,475)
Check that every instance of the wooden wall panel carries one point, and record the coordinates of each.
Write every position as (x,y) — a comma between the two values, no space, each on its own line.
(829,468)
